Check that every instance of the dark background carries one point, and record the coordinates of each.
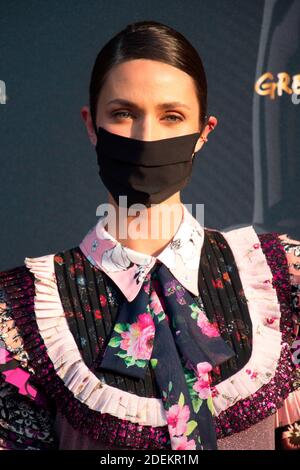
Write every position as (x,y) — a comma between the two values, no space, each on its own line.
(248,172)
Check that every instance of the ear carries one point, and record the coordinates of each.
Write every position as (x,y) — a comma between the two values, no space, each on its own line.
(87,118)
(210,126)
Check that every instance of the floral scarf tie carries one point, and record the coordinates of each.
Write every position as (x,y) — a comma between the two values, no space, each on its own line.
(164,326)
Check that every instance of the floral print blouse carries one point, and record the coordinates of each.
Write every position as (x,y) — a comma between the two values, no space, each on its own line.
(57,314)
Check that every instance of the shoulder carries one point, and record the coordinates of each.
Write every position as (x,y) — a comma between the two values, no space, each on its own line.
(280,255)
(26,417)
(17,319)
(268,266)
(280,249)
(21,288)
(16,298)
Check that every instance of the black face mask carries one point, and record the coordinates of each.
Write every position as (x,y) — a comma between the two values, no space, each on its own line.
(147,172)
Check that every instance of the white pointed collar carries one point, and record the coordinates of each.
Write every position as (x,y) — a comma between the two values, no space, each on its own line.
(128,268)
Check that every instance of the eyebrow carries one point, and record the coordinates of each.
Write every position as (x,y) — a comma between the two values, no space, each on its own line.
(171,104)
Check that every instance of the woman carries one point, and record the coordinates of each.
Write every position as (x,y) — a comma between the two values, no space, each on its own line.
(182,340)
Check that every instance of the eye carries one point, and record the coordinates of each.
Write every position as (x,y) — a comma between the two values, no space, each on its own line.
(125,114)
(121,114)
(177,118)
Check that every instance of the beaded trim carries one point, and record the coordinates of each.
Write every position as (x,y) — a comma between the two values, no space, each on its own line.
(269,397)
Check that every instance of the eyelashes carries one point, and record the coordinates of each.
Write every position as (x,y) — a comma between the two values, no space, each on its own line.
(120,115)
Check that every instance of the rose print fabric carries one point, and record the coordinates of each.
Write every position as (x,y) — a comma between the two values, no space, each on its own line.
(145,332)
(223,299)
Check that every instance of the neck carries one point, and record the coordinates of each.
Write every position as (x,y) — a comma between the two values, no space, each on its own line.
(152,229)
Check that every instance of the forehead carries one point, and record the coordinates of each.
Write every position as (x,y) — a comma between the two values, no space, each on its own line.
(148,79)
